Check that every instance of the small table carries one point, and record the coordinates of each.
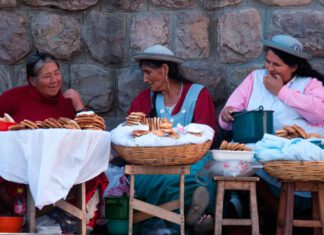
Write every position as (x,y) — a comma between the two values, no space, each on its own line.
(163,211)
(236,183)
(42,159)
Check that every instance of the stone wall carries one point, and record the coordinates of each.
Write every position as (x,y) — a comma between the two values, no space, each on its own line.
(96,39)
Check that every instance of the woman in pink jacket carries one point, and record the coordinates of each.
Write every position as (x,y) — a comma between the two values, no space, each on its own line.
(288,85)
(292,89)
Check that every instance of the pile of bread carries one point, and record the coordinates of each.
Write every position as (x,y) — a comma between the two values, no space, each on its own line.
(225,145)
(158,126)
(296,131)
(83,121)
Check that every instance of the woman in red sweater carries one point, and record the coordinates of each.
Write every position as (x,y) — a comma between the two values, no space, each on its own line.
(172,96)
(42,98)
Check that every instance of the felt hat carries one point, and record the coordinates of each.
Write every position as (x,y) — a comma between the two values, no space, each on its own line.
(158,52)
(287,44)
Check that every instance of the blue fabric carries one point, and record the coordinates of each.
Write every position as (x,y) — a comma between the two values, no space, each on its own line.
(185,115)
(158,189)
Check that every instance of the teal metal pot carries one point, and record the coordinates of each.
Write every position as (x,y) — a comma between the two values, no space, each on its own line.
(250,126)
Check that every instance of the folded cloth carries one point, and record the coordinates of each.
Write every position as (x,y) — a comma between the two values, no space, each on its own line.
(121,135)
(272,148)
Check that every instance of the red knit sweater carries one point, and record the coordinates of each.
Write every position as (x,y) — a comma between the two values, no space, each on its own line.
(204,112)
(26,102)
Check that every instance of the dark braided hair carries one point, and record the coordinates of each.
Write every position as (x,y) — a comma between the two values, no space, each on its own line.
(304,69)
(173,74)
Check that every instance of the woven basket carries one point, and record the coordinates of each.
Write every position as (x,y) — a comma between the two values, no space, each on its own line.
(296,170)
(163,156)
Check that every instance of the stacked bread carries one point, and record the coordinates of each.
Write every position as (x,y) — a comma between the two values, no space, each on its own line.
(46,124)
(135,118)
(90,122)
(225,145)
(83,121)
(165,129)
(158,126)
(296,131)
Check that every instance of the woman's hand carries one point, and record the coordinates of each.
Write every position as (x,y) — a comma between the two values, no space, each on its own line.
(273,84)
(226,114)
(75,97)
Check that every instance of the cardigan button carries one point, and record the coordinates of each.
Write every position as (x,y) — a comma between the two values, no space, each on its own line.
(183,111)
(162,111)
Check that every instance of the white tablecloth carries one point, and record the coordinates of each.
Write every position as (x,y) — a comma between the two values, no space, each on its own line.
(51,161)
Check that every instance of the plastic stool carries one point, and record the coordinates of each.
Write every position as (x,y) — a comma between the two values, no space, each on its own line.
(286,221)
(236,183)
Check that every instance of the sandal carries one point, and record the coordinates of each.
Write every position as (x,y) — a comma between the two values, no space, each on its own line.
(205,224)
(200,201)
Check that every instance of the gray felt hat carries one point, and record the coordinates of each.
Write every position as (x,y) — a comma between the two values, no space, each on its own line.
(158,52)
(287,44)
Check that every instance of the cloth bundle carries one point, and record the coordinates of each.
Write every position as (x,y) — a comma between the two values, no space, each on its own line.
(272,148)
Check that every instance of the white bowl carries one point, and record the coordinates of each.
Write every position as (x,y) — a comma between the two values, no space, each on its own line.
(224,155)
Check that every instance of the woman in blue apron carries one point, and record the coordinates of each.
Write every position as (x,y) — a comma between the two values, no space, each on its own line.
(172,96)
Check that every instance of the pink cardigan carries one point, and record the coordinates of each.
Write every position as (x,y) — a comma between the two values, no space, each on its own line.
(309,105)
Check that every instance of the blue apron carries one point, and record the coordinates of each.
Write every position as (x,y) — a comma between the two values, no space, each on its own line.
(158,189)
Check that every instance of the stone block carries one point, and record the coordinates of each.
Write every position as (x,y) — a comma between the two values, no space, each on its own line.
(191,35)
(5,81)
(130,83)
(149,29)
(305,25)
(8,3)
(212,4)
(211,75)
(95,85)
(15,43)
(239,36)
(71,5)
(105,36)
(173,3)
(126,5)
(285,3)
(56,34)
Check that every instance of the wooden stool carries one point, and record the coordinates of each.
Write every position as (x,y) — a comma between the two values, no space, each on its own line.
(164,211)
(236,183)
(78,212)
(286,221)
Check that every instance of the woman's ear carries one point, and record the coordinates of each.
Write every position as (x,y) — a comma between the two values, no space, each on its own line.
(165,69)
(32,80)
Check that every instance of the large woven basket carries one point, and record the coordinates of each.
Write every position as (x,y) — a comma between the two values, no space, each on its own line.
(163,156)
(296,170)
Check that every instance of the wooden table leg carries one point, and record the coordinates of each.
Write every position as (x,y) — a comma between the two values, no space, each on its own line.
(31,212)
(219,208)
(181,198)
(321,205)
(81,203)
(131,210)
(289,210)
(282,209)
(254,210)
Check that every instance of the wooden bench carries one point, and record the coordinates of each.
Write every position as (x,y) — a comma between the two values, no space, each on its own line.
(236,183)
(164,211)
